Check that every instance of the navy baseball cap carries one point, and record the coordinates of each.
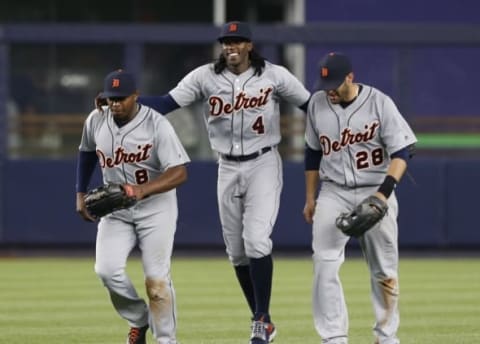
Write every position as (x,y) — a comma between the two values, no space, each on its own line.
(119,84)
(333,67)
(235,29)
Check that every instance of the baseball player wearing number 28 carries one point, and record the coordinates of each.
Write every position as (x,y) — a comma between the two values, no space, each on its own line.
(135,146)
(241,92)
(357,145)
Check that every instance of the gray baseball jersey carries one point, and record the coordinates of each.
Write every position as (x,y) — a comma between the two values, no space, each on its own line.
(357,141)
(242,115)
(136,153)
(241,111)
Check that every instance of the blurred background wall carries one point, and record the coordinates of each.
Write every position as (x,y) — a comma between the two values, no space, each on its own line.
(54,55)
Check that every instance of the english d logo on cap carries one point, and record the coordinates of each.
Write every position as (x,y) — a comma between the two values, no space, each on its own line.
(334,67)
(119,84)
(115,83)
(232,27)
(235,29)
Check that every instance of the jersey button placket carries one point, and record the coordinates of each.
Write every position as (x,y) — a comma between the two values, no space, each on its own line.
(347,162)
(236,137)
(117,138)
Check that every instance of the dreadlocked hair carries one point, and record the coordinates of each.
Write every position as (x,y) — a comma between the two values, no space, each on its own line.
(256,61)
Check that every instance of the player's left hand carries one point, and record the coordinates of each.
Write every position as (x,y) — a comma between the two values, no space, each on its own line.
(82,209)
(100,101)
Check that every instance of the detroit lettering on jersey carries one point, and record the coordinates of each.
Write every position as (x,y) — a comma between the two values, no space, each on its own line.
(218,106)
(347,137)
(121,156)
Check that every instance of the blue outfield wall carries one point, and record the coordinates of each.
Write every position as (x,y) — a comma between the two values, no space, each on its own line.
(438,203)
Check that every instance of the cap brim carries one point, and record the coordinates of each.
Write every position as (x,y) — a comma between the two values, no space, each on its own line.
(246,39)
(327,85)
(115,94)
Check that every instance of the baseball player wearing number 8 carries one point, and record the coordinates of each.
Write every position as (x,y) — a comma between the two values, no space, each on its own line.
(137,147)
(241,94)
(357,145)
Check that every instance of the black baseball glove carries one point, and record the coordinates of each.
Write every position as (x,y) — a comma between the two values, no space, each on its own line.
(108,198)
(365,215)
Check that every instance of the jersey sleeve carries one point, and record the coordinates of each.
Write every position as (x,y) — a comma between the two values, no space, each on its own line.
(87,142)
(170,150)
(311,133)
(162,104)
(290,88)
(394,130)
(189,89)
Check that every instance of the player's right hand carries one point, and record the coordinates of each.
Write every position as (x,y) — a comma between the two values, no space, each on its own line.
(100,101)
(309,210)
(82,209)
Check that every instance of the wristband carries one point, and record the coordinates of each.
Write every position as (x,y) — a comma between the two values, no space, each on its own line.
(312,158)
(387,186)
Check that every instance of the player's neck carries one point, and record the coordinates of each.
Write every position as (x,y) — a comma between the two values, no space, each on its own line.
(353,92)
(352,95)
(240,68)
(120,122)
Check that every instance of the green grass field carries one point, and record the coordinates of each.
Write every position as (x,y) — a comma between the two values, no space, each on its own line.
(61,301)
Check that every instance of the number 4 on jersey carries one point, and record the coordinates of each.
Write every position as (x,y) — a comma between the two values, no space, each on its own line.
(258,126)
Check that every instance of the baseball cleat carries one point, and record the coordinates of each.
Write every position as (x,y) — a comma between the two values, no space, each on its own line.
(272,331)
(262,332)
(137,335)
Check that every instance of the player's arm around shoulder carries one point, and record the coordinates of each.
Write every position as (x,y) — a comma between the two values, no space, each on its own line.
(289,86)
(194,86)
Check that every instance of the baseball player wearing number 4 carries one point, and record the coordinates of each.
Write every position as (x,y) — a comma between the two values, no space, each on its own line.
(136,146)
(357,145)
(241,92)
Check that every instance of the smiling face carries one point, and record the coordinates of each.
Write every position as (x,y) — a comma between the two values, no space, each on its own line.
(236,52)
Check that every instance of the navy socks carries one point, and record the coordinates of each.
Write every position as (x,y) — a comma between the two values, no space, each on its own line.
(256,283)
(261,271)
(243,276)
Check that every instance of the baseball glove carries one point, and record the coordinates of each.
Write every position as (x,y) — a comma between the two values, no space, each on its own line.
(365,215)
(108,198)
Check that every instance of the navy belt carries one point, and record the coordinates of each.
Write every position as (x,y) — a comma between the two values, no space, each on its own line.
(247,157)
